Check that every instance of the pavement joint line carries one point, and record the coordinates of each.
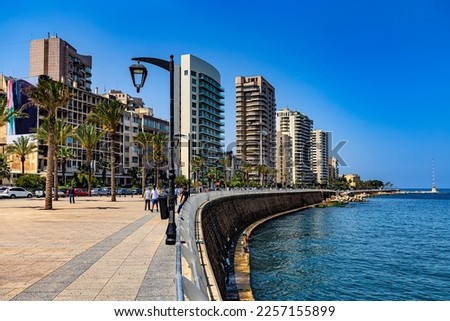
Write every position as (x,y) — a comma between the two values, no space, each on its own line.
(151,287)
(47,288)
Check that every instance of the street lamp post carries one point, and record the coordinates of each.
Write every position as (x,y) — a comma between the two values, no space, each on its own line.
(138,75)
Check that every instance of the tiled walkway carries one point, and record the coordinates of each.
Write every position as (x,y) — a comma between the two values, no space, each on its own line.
(92,250)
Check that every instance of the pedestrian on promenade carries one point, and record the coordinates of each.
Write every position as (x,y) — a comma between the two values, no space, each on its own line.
(183,199)
(245,243)
(154,197)
(147,198)
(71,195)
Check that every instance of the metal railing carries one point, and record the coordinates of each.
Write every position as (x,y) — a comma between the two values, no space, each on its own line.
(195,288)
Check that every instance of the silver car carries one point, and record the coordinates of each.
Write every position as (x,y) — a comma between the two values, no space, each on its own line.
(13,192)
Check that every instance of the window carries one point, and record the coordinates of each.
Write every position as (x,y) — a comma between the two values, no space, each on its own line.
(193,73)
(194,113)
(186,72)
(194,104)
(194,89)
(194,97)
(194,81)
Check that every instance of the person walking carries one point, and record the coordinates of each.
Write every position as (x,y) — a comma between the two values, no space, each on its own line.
(71,195)
(155,196)
(147,198)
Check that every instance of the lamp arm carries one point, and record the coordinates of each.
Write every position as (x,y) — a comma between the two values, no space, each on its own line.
(164,64)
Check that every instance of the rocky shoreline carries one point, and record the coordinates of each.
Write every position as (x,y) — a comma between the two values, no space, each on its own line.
(343,198)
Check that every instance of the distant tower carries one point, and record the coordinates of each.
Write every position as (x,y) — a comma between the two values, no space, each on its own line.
(255,121)
(57,59)
(433,186)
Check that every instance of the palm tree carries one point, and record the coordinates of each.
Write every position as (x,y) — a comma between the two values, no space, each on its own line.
(225,161)
(273,175)
(62,131)
(88,136)
(109,114)
(247,168)
(64,153)
(6,114)
(145,140)
(159,142)
(49,96)
(197,164)
(263,171)
(4,167)
(22,147)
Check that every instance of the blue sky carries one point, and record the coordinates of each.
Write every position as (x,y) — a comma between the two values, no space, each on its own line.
(374,73)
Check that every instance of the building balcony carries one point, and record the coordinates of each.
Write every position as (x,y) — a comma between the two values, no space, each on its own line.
(212,82)
(215,105)
(212,96)
(211,89)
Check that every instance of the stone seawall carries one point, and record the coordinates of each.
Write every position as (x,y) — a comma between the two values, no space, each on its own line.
(225,218)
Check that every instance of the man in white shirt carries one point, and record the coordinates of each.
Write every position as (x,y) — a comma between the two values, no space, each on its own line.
(154,196)
(147,198)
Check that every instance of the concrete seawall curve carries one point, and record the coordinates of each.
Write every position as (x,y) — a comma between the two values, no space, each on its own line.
(223,220)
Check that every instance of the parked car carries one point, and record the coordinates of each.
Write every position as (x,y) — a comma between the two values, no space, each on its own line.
(123,191)
(136,191)
(78,192)
(41,193)
(13,192)
(104,191)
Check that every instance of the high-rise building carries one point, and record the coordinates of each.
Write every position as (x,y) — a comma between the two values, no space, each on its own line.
(255,121)
(295,148)
(199,118)
(55,58)
(60,61)
(319,156)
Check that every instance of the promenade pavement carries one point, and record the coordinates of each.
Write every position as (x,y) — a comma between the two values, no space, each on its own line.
(92,250)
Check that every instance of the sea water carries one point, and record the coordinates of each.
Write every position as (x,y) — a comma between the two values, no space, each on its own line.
(388,248)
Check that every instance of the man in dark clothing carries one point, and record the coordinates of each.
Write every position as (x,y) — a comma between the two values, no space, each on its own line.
(184,197)
(71,195)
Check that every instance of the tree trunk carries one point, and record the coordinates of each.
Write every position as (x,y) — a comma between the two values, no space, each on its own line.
(143,181)
(113,170)
(88,161)
(22,160)
(55,177)
(50,157)
(63,170)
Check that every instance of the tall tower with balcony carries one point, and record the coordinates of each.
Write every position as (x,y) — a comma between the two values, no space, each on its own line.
(57,59)
(200,115)
(255,121)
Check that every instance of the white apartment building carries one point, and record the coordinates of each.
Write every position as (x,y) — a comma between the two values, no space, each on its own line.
(199,118)
(296,148)
(319,156)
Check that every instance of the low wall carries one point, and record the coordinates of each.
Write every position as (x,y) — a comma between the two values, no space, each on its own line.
(223,220)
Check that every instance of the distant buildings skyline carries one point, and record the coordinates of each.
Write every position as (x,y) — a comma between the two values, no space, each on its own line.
(283,140)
